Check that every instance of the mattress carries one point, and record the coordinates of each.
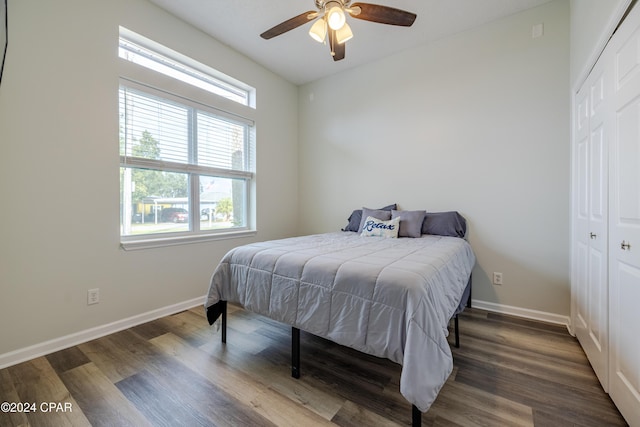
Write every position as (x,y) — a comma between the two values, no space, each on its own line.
(388,297)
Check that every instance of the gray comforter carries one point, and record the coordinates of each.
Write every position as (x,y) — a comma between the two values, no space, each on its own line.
(391,298)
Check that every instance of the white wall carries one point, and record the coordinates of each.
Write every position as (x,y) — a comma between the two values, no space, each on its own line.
(592,22)
(59,170)
(477,122)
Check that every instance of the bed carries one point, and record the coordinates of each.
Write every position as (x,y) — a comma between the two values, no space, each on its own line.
(388,297)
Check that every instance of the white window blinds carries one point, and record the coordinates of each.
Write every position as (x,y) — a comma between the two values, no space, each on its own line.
(162,132)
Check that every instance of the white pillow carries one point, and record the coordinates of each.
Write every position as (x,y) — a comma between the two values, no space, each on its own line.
(377,227)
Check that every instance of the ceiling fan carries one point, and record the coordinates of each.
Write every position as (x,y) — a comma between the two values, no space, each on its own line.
(332,23)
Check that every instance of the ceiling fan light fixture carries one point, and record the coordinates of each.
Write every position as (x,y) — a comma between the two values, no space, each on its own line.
(344,34)
(331,22)
(318,30)
(335,16)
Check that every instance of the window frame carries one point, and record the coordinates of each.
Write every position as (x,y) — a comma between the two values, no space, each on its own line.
(145,80)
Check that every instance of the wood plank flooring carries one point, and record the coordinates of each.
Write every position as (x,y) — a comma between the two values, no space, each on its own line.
(174,371)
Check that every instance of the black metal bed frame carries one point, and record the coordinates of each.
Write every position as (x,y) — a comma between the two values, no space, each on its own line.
(416,414)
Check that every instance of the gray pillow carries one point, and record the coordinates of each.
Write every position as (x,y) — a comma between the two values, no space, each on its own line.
(410,222)
(381,214)
(445,224)
(356,218)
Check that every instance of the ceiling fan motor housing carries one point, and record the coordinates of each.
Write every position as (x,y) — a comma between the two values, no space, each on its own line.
(320,4)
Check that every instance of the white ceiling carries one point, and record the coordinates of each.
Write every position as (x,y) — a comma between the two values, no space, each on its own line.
(299,59)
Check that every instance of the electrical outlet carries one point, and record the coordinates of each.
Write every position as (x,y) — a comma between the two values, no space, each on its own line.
(497,278)
(93,296)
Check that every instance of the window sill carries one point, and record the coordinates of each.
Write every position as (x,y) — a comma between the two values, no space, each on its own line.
(161,242)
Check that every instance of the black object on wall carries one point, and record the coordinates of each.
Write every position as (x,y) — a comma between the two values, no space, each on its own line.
(4,34)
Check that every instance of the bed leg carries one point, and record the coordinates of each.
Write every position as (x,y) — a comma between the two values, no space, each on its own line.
(224,322)
(457,331)
(295,352)
(416,416)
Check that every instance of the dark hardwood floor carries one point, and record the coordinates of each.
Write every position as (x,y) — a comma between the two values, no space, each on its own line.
(174,371)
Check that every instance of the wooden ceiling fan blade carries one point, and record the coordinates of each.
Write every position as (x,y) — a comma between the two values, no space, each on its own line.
(338,50)
(383,14)
(289,24)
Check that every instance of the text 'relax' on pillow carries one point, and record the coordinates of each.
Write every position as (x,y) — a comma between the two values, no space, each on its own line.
(355,219)
(377,227)
(382,214)
(410,222)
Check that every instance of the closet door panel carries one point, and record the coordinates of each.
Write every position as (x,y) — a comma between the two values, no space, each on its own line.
(624,225)
(580,282)
(598,259)
(628,354)
(625,257)
(591,221)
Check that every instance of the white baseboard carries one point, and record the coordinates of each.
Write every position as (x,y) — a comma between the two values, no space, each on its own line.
(47,347)
(526,313)
(56,344)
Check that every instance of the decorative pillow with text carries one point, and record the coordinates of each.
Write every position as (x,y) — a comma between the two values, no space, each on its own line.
(377,227)
(356,218)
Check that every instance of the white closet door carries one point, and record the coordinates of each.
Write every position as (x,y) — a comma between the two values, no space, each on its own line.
(591,320)
(624,227)
(580,208)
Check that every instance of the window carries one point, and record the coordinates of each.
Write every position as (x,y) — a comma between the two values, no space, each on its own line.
(147,58)
(186,160)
